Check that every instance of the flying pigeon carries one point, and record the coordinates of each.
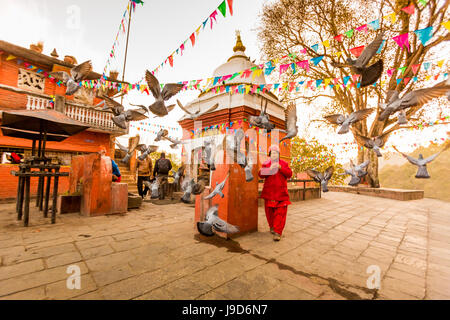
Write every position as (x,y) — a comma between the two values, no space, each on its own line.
(290,114)
(320,177)
(158,107)
(175,142)
(421,163)
(126,153)
(161,134)
(190,187)
(146,150)
(115,107)
(218,189)
(127,116)
(346,121)
(178,174)
(209,154)
(372,143)
(77,74)
(416,98)
(369,75)
(262,121)
(233,145)
(213,222)
(356,172)
(197,114)
(249,164)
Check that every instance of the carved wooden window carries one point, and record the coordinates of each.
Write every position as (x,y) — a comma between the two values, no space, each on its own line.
(31,81)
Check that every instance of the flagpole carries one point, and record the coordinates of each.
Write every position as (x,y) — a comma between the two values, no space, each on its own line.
(126,47)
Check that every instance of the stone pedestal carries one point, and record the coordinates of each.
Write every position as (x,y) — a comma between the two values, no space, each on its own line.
(119,197)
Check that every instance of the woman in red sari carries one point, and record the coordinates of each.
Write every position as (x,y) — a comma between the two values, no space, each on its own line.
(276,172)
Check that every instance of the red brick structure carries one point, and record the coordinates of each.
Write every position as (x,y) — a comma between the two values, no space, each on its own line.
(24,84)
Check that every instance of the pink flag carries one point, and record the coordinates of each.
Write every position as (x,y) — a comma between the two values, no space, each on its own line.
(390,72)
(402,40)
(409,9)
(415,67)
(182,48)
(303,51)
(362,28)
(213,16)
(303,64)
(284,67)
(355,77)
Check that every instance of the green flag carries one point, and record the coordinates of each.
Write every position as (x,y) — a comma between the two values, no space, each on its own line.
(223,8)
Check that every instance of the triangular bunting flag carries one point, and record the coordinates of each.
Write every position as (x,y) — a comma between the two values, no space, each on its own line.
(406,80)
(192,37)
(338,54)
(318,82)
(392,17)
(362,28)
(230,6)
(303,64)
(315,47)
(390,72)
(284,67)
(402,40)
(398,81)
(415,67)
(345,80)
(409,9)
(326,43)
(316,60)
(338,38)
(381,46)
(223,8)
(402,69)
(440,63)
(349,33)
(205,22)
(375,24)
(424,35)
(446,25)
(10,57)
(356,51)
(426,65)
(213,17)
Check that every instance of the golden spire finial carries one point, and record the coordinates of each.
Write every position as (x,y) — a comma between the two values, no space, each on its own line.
(239,45)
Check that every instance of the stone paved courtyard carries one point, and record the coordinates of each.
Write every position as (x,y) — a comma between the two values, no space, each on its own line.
(155,253)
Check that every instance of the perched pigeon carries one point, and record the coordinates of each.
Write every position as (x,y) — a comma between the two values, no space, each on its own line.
(126,151)
(127,116)
(356,172)
(213,222)
(421,163)
(146,150)
(209,154)
(346,121)
(190,187)
(290,115)
(320,177)
(416,98)
(197,114)
(158,107)
(161,134)
(262,121)
(77,74)
(372,143)
(218,189)
(369,75)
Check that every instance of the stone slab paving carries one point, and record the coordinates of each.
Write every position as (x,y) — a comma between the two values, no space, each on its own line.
(156,253)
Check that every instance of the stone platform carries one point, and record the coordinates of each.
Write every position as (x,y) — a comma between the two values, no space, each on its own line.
(396,194)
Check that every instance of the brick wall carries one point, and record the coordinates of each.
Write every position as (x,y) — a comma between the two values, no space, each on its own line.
(9,182)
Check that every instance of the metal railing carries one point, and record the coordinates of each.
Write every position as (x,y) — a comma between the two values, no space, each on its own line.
(304,181)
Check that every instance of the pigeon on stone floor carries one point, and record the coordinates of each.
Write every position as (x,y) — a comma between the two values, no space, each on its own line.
(77,74)
(320,177)
(372,143)
(214,223)
(346,121)
(415,98)
(218,189)
(356,172)
(161,134)
(369,74)
(159,107)
(209,153)
(421,162)
(146,151)
(154,188)
(196,114)
(127,152)
(290,115)
(262,121)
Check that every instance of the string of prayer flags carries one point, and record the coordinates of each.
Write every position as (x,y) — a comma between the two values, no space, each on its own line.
(424,35)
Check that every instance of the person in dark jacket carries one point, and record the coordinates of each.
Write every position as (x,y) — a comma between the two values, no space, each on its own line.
(276,172)
(161,172)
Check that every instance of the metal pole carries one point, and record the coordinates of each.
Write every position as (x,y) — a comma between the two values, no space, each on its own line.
(126,48)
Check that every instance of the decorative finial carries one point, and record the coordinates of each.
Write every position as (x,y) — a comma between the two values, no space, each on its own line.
(239,45)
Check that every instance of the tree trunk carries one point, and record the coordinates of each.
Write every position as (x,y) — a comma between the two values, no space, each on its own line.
(372,169)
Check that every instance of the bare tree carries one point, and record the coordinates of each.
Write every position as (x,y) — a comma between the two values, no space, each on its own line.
(287,26)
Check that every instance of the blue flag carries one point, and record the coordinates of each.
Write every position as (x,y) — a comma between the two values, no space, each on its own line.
(424,35)
(375,24)
(316,60)
(315,47)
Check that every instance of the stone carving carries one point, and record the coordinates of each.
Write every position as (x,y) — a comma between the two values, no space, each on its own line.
(30,81)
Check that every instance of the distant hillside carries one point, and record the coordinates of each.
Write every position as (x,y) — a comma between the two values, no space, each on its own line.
(400,174)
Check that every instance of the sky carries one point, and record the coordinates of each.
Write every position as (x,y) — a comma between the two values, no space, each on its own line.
(87,29)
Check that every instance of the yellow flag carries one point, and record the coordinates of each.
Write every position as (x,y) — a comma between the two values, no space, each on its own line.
(197,31)
(440,63)
(391,16)
(326,43)
(10,57)
(327,81)
(446,25)
(247,88)
(209,81)
(256,73)
(427,78)
(338,54)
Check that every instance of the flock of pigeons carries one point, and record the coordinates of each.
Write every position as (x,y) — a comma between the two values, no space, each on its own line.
(369,75)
